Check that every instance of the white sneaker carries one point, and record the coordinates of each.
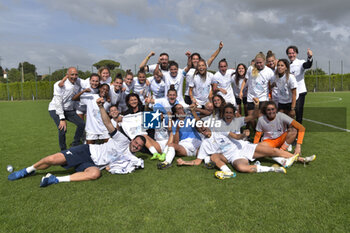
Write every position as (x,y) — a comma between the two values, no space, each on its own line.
(224,175)
(289,162)
(309,159)
(279,169)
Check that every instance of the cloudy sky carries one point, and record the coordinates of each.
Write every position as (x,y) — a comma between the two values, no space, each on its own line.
(58,34)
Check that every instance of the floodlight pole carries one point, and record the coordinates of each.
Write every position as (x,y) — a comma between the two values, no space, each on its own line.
(22,80)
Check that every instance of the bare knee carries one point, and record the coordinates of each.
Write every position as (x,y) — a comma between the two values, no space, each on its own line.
(245,168)
(92,174)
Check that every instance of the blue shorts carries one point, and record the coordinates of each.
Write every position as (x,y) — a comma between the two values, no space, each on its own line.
(78,157)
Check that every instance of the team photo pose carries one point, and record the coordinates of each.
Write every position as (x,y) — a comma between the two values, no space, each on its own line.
(223,82)
(117,155)
(186,138)
(95,129)
(227,147)
(280,131)
(297,68)
(116,90)
(201,85)
(61,108)
(271,62)
(195,57)
(286,84)
(238,78)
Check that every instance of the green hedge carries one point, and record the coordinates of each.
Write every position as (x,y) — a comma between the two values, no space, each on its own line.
(38,90)
(327,82)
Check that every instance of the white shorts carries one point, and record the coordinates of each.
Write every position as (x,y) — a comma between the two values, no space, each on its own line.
(246,152)
(162,144)
(191,145)
(94,136)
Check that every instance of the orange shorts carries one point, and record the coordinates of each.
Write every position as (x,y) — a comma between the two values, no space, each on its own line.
(277,142)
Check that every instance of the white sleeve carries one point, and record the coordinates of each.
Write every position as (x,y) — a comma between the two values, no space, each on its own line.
(58,101)
(285,118)
(258,125)
(202,153)
(151,68)
(292,82)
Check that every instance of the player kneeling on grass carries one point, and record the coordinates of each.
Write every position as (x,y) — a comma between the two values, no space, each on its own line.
(117,155)
(274,125)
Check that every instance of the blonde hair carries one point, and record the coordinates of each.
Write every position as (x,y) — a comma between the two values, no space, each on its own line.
(103,68)
(255,71)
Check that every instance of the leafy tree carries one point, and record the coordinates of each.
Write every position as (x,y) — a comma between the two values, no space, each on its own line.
(14,75)
(109,63)
(1,71)
(29,77)
(27,68)
(317,71)
(116,71)
(60,73)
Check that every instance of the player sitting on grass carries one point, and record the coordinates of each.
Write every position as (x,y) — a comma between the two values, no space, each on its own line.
(117,154)
(224,147)
(186,139)
(274,125)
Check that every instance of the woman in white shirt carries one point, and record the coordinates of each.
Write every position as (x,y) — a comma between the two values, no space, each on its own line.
(287,88)
(238,78)
(95,129)
(201,85)
(223,82)
(258,77)
(297,68)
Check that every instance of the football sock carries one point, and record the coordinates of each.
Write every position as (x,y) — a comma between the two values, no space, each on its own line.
(284,146)
(166,148)
(170,155)
(207,159)
(225,168)
(63,179)
(279,160)
(30,169)
(153,150)
(260,168)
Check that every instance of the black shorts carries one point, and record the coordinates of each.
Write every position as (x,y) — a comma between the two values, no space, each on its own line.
(78,157)
(239,101)
(188,100)
(287,107)
(250,105)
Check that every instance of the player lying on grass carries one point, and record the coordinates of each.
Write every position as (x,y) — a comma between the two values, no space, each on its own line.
(274,125)
(117,154)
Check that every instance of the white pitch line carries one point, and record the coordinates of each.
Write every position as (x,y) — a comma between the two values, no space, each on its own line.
(332,126)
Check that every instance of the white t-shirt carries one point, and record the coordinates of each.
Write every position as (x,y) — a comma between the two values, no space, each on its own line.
(225,82)
(201,87)
(115,96)
(275,128)
(108,81)
(237,88)
(84,84)
(176,81)
(297,69)
(258,87)
(128,88)
(189,77)
(158,89)
(62,98)
(284,88)
(94,123)
(151,69)
(141,89)
(217,143)
(132,125)
(234,126)
(115,153)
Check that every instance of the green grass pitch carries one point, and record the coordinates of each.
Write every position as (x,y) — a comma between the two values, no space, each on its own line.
(314,198)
